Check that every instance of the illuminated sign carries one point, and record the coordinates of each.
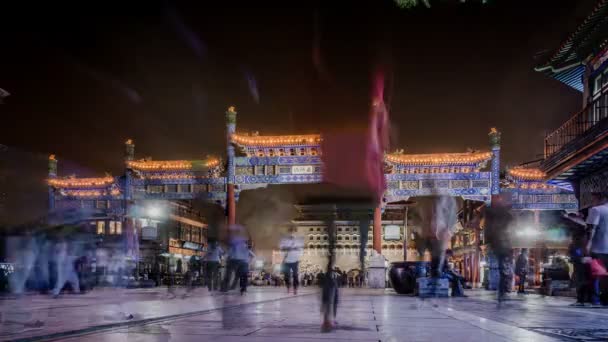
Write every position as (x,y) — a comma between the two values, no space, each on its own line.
(192,245)
(392,232)
(302,169)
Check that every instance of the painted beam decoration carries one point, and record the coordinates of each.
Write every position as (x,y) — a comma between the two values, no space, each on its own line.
(454,174)
(531,191)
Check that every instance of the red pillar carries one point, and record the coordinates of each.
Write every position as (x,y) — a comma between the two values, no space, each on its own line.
(231,205)
(377,237)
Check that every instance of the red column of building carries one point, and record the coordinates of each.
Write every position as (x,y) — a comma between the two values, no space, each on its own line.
(377,230)
(231,205)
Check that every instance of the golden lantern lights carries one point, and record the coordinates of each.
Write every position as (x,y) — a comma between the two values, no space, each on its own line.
(439,158)
(527,174)
(80,182)
(246,140)
(212,162)
(160,165)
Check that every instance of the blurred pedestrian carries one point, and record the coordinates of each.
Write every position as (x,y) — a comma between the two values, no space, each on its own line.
(22,251)
(239,256)
(581,269)
(498,219)
(65,258)
(438,218)
(172,270)
(521,270)
(212,265)
(329,300)
(597,224)
(291,245)
(456,279)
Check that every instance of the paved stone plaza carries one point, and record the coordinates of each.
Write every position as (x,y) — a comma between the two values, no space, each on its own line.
(266,314)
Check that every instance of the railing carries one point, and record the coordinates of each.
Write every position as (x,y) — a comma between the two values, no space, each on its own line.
(577,125)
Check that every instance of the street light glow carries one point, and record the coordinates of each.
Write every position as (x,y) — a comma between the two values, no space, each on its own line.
(528,232)
(154,211)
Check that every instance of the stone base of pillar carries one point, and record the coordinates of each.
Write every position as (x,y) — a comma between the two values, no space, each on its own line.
(376,275)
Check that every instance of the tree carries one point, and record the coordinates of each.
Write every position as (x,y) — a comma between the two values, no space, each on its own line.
(407,4)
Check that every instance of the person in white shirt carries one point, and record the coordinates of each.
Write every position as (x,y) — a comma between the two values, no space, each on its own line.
(291,245)
(597,223)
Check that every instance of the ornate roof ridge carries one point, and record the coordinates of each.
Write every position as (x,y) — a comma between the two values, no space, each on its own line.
(527,173)
(160,165)
(73,182)
(439,158)
(275,140)
(568,43)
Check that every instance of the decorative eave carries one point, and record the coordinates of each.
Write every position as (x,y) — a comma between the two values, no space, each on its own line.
(526,174)
(591,36)
(80,183)
(472,159)
(276,140)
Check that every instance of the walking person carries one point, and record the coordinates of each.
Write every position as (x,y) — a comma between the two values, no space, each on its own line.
(191,275)
(172,270)
(212,265)
(521,270)
(497,221)
(329,299)
(65,258)
(291,245)
(581,269)
(438,218)
(597,225)
(22,251)
(239,257)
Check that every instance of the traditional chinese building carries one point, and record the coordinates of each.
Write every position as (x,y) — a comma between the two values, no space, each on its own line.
(576,153)
(147,205)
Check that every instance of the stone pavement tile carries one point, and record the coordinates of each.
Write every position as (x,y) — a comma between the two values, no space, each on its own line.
(135,337)
(314,332)
(505,330)
(424,324)
(59,317)
(443,334)
(282,339)
(190,330)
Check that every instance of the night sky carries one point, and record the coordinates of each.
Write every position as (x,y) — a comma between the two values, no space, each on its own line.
(85,78)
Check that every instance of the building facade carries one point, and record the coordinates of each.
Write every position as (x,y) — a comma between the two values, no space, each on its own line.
(576,153)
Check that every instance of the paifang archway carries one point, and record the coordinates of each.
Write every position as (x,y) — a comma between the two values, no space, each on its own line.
(292,159)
